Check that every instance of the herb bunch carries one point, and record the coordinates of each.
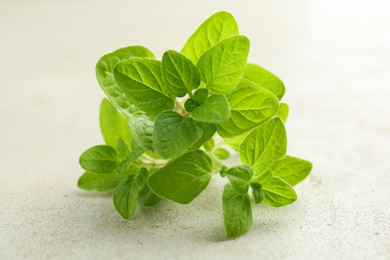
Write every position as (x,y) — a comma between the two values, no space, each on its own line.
(169,125)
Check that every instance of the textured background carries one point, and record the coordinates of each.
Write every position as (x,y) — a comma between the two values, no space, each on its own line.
(334,57)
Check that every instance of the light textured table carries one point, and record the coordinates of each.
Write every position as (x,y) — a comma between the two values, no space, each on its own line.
(334,57)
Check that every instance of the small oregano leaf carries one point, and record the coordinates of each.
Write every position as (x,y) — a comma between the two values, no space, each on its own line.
(239,177)
(142,129)
(264,145)
(263,177)
(258,193)
(183,179)
(208,131)
(218,27)
(125,195)
(237,212)
(147,197)
(222,66)
(99,182)
(99,159)
(222,154)
(265,79)
(214,110)
(278,193)
(105,75)
(180,75)
(113,124)
(291,169)
(141,80)
(174,134)
(209,145)
(201,95)
(250,106)
(128,166)
(122,148)
(190,105)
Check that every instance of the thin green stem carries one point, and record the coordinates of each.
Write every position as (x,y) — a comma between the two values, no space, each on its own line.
(154,163)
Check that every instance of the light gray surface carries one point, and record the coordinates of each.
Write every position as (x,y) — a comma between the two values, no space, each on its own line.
(334,57)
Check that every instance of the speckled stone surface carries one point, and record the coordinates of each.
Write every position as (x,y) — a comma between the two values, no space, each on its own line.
(334,57)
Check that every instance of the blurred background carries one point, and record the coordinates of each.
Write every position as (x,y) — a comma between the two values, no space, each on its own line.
(334,58)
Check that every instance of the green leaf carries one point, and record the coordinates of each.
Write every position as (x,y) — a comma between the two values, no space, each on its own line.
(209,145)
(250,106)
(190,104)
(99,159)
(218,27)
(122,148)
(208,131)
(183,179)
(263,177)
(174,134)
(291,169)
(141,80)
(278,193)
(214,110)
(105,75)
(265,79)
(201,95)
(223,171)
(142,129)
(99,182)
(126,193)
(222,153)
(258,193)
(239,177)
(222,66)
(237,212)
(180,75)
(264,145)
(113,124)
(147,197)
(128,166)
(283,111)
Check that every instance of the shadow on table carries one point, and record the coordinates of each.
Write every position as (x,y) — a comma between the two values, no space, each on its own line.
(200,220)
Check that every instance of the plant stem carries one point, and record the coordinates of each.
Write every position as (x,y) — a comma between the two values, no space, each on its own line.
(179,108)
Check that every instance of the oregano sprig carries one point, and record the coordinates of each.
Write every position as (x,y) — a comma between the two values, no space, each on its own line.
(169,125)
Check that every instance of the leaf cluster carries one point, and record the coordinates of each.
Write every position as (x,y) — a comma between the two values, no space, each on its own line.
(169,124)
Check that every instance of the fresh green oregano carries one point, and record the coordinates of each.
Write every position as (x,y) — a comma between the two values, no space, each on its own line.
(169,126)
